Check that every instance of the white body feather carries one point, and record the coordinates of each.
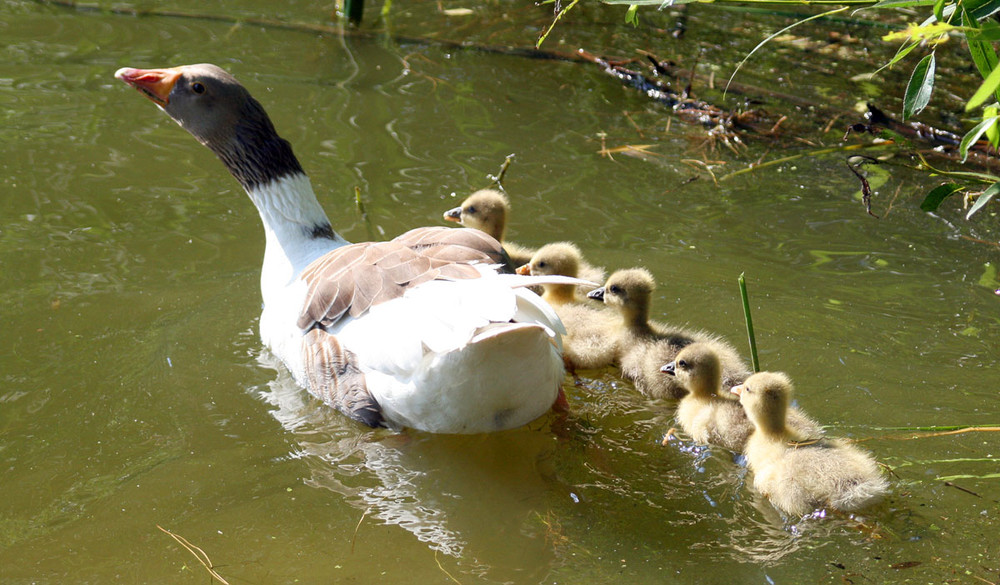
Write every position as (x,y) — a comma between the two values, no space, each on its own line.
(449,356)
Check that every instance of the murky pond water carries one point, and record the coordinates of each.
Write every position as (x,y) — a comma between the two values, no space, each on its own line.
(136,395)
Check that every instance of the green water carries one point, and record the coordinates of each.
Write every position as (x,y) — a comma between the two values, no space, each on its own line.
(135,392)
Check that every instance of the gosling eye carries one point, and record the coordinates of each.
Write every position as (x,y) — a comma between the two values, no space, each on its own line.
(470,209)
(615,289)
(682,363)
(198,87)
(542,264)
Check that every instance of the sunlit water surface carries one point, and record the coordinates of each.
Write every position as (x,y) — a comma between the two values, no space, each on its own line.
(136,394)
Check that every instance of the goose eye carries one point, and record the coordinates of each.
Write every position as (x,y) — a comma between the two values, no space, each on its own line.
(616,289)
(470,209)
(682,363)
(198,88)
(542,264)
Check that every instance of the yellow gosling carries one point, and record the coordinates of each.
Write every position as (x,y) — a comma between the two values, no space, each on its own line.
(799,477)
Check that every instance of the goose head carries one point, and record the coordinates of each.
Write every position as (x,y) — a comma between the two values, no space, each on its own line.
(698,369)
(485,210)
(765,397)
(629,291)
(217,110)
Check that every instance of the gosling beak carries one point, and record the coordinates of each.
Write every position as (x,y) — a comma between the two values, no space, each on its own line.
(669,369)
(454,215)
(524,270)
(156,84)
(597,294)
(737,390)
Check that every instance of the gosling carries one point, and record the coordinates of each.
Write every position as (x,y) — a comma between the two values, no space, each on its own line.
(487,210)
(593,332)
(800,477)
(646,345)
(711,417)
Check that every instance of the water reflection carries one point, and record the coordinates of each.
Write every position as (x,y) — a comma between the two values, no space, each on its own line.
(480,498)
(524,503)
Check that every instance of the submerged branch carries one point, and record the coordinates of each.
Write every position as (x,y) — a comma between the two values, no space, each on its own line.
(198,554)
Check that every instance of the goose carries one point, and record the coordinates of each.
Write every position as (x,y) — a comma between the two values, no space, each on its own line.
(800,477)
(592,332)
(710,417)
(487,210)
(646,345)
(421,331)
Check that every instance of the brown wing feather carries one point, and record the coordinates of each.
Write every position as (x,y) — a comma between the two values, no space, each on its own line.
(356,277)
(372,286)
(478,246)
(334,377)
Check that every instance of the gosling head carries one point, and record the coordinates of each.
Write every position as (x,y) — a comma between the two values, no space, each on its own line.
(485,210)
(765,397)
(627,290)
(559,258)
(698,369)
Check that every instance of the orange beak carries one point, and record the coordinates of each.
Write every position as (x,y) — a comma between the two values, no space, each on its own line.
(524,270)
(156,84)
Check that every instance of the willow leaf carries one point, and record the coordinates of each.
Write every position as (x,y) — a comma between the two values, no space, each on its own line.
(983,199)
(939,10)
(903,3)
(980,9)
(973,135)
(939,194)
(919,89)
(988,31)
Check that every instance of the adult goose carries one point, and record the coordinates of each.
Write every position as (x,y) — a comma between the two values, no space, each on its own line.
(422,331)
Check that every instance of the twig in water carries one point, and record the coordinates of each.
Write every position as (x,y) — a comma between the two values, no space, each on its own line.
(893,200)
(362,519)
(979,241)
(634,125)
(854,162)
(962,489)
(443,570)
(498,178)
(198,554)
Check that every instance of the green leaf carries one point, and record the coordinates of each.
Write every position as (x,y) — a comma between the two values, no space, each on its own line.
(992,132)
(989,31)
(981,50)
(902,52)
(939,10)
(903,3)
(983,199)
(939,194)
(919,89)
(990,85)
(657,3)
(632,15)
(980,9)
(973,135)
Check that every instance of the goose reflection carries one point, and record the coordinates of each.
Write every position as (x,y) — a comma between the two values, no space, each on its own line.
(479,498)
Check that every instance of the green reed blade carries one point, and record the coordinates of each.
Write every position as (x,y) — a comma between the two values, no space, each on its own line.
(746,316)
